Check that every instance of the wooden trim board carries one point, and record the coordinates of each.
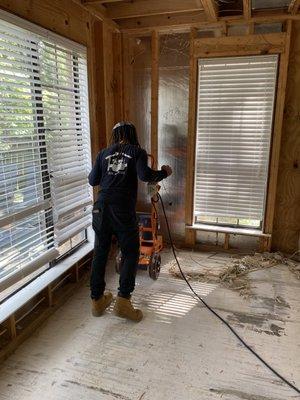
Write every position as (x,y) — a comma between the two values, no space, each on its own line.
(277,132)
(226,46)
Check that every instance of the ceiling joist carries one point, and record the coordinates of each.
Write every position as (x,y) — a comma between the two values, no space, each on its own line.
(99,12)
(211,9)
(294,6)
(151,7)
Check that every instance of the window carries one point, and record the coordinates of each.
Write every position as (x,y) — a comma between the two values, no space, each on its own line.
(234,126)
(44,148)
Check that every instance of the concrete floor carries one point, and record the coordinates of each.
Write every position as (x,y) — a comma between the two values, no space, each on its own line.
(178,352)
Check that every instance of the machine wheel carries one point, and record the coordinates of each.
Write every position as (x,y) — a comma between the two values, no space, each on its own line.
(119,262)
(154,266)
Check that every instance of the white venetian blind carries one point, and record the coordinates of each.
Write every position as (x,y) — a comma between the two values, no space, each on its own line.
(234,126)
(44,146)
(65,112)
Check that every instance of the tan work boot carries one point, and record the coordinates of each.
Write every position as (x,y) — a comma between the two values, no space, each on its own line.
(124,309)
(100,305)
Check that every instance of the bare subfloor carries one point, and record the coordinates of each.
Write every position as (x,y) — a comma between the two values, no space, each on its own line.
(178,352)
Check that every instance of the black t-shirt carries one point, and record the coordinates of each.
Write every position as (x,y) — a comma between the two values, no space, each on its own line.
(116,171)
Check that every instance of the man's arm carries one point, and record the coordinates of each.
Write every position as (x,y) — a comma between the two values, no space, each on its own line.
(96,172)
(147,174)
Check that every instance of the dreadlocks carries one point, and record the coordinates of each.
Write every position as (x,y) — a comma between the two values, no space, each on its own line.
(124,133)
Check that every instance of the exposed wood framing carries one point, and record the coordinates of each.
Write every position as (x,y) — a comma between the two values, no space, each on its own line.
(108,62)
(57,298)
(271,43)
(277,132)
(55,15)
(151,7)
(232,46)
(247,11)
(96,87)
(211,9)
(186,21)
(98,11)
(294,6)
(180,21)
(190,236)
(154,96)
(117,77)
(127,77)
(226,241)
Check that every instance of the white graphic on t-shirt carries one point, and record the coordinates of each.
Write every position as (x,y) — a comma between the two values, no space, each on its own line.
(117,163)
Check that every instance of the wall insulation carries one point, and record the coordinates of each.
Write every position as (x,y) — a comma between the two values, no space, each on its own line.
(173,124)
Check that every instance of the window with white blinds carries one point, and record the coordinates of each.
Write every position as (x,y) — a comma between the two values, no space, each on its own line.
(234,126)
(44,147)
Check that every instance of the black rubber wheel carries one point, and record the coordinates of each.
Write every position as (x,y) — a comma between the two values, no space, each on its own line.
(119,262)
(154,266)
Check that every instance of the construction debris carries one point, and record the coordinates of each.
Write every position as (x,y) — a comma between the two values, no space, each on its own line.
(234,275)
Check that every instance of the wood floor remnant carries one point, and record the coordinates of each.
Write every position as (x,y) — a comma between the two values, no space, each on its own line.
(234,273)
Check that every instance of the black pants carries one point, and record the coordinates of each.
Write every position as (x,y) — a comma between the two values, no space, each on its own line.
(115,220)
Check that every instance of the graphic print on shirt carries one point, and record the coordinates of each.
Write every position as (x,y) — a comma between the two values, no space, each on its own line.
(117,163)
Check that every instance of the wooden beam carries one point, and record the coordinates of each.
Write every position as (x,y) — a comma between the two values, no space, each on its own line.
(247,10)
(127,77)
(118,77)
(97,11)
(277,132)
(294,6)
(154,95)
(270,43)
(190,236)
(182,21)
(197,19)
(96,76)
(211,9)
(151,7)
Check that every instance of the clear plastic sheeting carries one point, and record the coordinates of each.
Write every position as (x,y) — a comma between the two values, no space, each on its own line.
(140,101)
(173,125)
(268,28)
(264,4)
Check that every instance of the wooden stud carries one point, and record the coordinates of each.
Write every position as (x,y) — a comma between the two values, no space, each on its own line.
(247,11)
(277,132)
(96,87)
(108,70)
(226,241)
(127,77)
(150,7)
(211,9)
(12,326)
(190,237)
(49,295)
(117,77)
(294,6)
(154,95)
(189,196)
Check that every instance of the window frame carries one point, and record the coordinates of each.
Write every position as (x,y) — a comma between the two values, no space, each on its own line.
(273,43)
(80,50)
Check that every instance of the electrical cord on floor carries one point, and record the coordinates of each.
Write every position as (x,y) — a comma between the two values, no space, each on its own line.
(214,312)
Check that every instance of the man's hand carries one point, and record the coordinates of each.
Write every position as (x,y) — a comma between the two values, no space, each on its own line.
(168,169)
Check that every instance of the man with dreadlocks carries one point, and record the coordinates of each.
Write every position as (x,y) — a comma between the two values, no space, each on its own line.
(116,171)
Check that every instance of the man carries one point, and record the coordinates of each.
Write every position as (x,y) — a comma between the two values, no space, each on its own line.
(116,170)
